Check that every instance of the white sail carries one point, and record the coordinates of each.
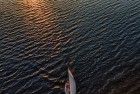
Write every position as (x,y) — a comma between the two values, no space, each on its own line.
(72,83)
(70,86)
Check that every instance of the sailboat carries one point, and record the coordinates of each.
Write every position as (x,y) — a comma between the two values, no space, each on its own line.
(70,86)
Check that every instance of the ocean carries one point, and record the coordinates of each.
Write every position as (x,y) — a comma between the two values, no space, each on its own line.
(99,39)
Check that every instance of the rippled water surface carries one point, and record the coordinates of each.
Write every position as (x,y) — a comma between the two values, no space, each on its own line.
(99,38)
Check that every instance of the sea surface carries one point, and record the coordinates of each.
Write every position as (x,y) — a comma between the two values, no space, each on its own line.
(99,39)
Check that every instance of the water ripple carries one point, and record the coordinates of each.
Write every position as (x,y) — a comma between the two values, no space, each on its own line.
(99,38)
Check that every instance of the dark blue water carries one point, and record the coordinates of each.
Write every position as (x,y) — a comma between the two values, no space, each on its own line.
(100,39)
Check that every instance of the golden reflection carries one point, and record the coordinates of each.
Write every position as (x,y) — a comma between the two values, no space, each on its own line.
(32,2)
(38,15)
(41,22)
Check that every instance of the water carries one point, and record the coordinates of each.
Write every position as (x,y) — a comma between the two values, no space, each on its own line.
(99,38)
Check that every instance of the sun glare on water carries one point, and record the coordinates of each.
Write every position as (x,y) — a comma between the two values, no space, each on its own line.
(32,2)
